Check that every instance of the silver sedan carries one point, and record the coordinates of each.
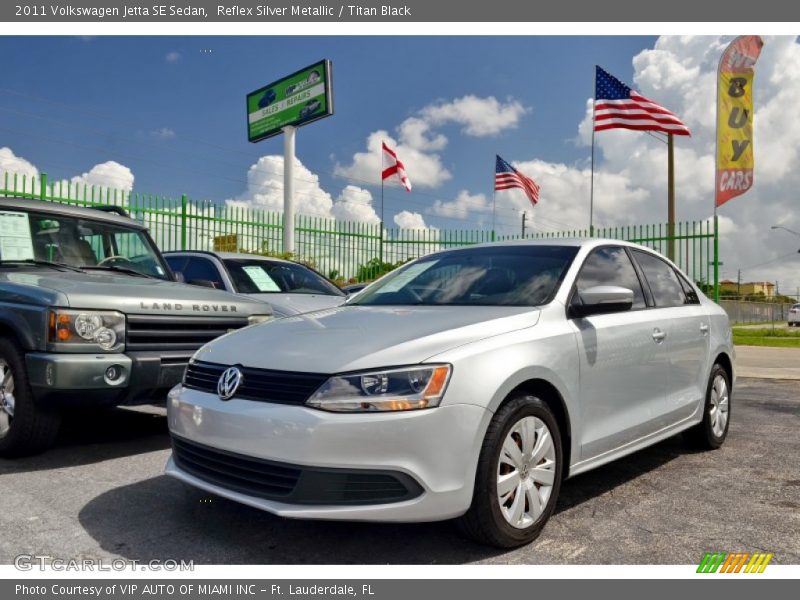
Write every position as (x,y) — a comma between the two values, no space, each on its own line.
(468,384)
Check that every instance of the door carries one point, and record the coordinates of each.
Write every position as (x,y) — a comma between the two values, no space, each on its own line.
(687,326)
(623,360)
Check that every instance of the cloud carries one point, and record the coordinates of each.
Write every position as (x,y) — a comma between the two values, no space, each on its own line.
(418,144)
(479,117)
(355,204)
(464,206)
(630,179)
(424,167)
(13,164)
(109,174)
(163,133)
(410,220)
(172,57)
(265,188)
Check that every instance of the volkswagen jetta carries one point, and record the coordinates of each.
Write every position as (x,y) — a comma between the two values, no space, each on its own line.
(468,383)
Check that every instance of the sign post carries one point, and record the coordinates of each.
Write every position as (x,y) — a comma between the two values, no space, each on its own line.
(288,188)
(281,107)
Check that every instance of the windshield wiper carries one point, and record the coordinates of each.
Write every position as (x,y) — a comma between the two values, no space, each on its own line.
(119,269)
(42,263)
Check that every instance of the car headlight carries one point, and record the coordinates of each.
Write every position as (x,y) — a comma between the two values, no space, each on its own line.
(82,330)
(408,388)
(254,319)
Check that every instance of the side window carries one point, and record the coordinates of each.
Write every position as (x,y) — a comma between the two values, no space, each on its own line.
(202,268)
(664,283)
(176,263)
(611,266)
(688,290)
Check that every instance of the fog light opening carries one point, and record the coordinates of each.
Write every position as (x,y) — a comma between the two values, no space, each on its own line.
(114,374)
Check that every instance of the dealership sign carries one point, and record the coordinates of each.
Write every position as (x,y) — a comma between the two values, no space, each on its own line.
(735,160)
(295,100)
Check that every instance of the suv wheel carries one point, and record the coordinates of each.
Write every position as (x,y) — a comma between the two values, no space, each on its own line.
(518,477)
(25,427)
(711,432)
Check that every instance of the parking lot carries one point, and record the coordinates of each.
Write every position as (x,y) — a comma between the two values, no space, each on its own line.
(100,493)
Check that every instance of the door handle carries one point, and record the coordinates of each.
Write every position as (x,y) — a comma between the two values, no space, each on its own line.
(659,335)
(703,328)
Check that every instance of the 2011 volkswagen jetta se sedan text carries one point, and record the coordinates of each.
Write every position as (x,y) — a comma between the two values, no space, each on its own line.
(468,383)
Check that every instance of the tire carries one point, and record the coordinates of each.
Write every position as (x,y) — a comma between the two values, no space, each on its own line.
(25,427)
(489,518)
(710,434)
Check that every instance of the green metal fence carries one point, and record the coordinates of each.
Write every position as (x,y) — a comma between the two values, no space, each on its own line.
(342,250)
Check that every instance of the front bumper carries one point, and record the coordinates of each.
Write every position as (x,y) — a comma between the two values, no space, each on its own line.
(437,449)
(140,377)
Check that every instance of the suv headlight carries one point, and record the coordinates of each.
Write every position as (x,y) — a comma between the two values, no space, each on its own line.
(255,319)
(408,388)
(82,330)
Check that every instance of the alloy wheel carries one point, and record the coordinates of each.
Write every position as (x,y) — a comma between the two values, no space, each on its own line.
(526,472)
(6,398)
(718,410)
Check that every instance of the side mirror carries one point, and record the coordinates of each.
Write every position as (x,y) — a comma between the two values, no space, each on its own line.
(179,277)
(602,299)
(202,283)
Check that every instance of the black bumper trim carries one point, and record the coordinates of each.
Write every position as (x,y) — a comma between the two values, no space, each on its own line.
(289,483)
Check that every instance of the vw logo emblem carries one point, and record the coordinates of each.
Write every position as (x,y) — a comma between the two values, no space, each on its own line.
(228,383)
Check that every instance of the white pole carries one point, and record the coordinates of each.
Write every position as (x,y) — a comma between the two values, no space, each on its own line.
(288,188)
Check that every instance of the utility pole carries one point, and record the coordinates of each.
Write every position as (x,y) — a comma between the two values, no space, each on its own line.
(524,218)
(739,284)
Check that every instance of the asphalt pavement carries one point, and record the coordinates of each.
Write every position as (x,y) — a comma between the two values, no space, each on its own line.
(101,493)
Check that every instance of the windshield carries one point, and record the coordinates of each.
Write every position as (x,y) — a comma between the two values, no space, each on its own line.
(254,276)
(77,242)
(486,276)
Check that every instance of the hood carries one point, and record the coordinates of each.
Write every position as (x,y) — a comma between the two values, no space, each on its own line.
(128,294)
(350,338)
(294,304)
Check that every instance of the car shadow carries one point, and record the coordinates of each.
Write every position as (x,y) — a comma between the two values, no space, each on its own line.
(590,485)
(90,436)
(161,518)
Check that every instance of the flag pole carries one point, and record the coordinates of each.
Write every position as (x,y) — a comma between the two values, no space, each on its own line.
(380,249)
(494,195)
(591,180)
(670,197)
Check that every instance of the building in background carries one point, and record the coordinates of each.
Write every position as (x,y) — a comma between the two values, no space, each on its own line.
(747,288)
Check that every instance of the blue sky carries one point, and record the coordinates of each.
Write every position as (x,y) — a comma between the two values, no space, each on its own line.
(171,112)
(70,103)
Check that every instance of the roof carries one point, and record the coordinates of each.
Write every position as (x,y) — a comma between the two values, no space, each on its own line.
(228,255)
(575,242)
(68,210)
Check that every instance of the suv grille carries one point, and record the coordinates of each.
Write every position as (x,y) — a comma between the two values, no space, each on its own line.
(162,332)
(281,387)
(291,483)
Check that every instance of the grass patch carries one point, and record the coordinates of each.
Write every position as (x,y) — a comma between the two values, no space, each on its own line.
(766,336)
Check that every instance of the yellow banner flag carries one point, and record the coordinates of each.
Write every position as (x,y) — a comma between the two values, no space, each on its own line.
(735,159)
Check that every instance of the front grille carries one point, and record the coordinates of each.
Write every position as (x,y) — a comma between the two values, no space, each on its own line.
(265,385)
(162,332)
(291,483)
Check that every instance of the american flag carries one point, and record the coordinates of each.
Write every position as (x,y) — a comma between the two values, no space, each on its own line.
(616,106)
(507,177)
(396,167)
